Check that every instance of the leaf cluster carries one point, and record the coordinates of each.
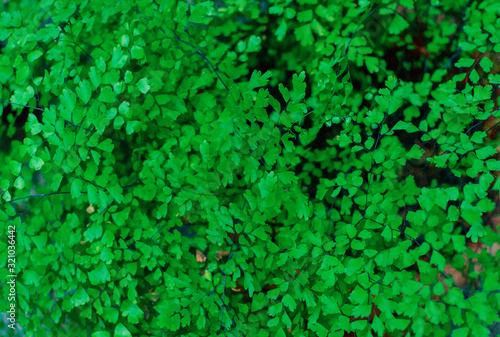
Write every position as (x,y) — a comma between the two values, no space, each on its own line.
(270,168)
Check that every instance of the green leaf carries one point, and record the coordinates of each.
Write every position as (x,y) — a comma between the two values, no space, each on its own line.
(34,55)
(19,183)
(276,10)
(266,185)
(125,40)
(36,163)
(56,182)
(305,16)
(201,321)
(95,77)
(254,44)
(289,302)
(108,238)
(124,107)
(354,265)
(284,92)
(259,301)
(398,25)
(273,322)
(6,196)
(493,165)
(299,87)
(15,167)
(318,28)
(122,331)
(408,127)
(458,243)
(99,275)
(93,232)
(391,82)
(286,320)
(438,75)
(258,80)
(275,309)
(110,314)
(128,76)
(280,333)
(80,297)
(438,260)
(116,192)
(134,314)
(320,330)
(464,62)
(131,127)
(76,188)
(68,99)
(486,64)
(107,95)
(482,93)
(143,85)
(486,152)
(280,33)
(290,12)
(106,145)
(358,295)
(329,305)
(474,76)
(415,152)
(407,3)
(200,12)
(3,216)
(398,324)
(84,91)
(106,255)
(478,137)
(374,116)
(438,289)
(147,192)
(118,59)
(248,283)
(36,128)
(460,332)
(304,35)
(137,52)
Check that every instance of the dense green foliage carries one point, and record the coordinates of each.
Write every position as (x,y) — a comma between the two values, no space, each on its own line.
(251,168)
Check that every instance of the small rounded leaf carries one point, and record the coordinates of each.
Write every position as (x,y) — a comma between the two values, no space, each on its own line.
(143,85)
(36,163)
(19,183)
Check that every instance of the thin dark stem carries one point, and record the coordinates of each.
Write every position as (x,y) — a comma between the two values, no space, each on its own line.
(36,196)
(26,106)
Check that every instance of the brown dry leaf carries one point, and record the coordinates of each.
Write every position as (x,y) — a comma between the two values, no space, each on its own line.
(235,289)
(200,257)
(494,249)
(221,254)
(495,223)
(478,247)
(458,277)
(90,209)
